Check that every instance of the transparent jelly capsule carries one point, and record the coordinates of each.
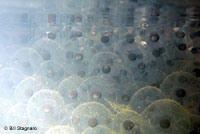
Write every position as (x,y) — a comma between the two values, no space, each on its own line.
(46,82)
(170,65)
(179,86)
(80,45)
(160,55)
(127,89)
(69,90)
(106,41)
(17,118)
(127,121)
(9,78)
(68,111)
(192,103)
(67,60)
(94,36)
(130,53)
(192,67)
(133,58)
(153,76)
(99,90)
(79,41)
(65,34)
(27,60)
(128,37)
(65,57)
(98,130)
(46,108)
(125,92)
(103,58)
(98,81)
(75,56)
(163,115)
(157,35)
(5,106)
(26,88)
(90,114)
(109,66)
(46,48)
(52,71)
(141,84)
(61,129)
(183,126)
(143,97)
(95,82)
(17,115)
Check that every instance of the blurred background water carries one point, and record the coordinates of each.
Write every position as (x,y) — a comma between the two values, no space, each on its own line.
(100,66)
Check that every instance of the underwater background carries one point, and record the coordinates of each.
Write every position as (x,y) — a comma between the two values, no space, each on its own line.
(99,67)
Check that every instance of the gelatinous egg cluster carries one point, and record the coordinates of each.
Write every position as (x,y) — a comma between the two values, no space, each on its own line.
(102,67)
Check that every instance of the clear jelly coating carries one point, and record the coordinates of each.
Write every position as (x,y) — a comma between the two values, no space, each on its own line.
(27,60)
(144,97)
(90,114)
(179,85)
(46,108)
(163,115)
